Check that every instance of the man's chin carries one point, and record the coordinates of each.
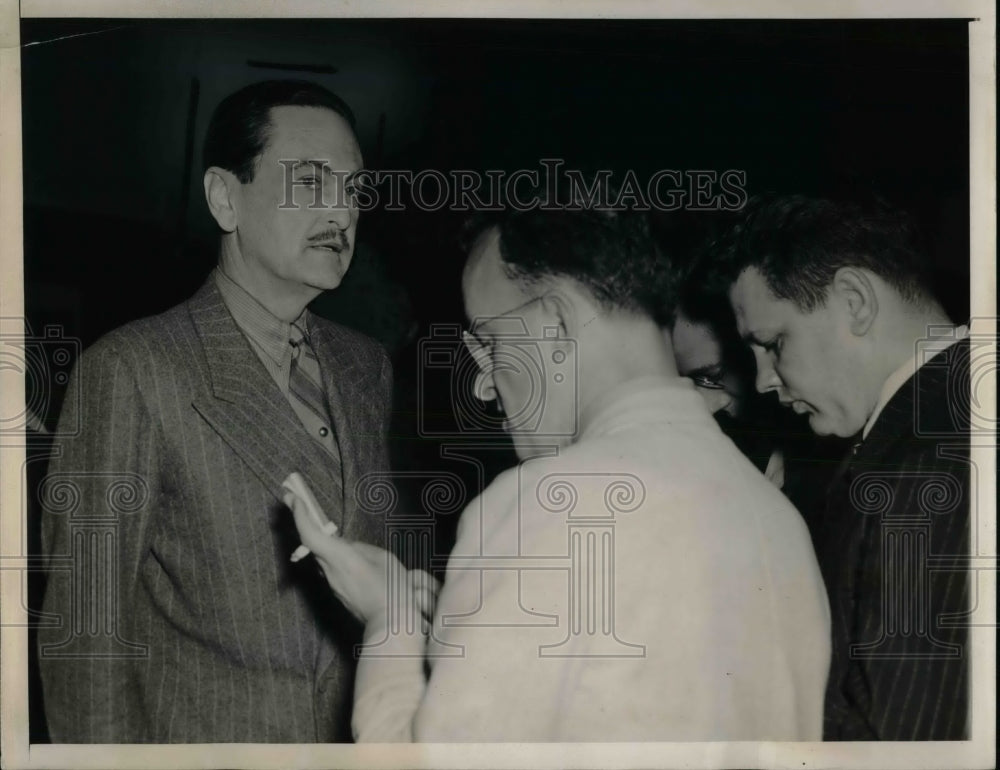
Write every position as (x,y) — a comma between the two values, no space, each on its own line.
(329,273)
(329,285)
(328,279)
(824,427)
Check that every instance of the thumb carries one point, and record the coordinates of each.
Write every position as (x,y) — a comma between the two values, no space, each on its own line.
(309,531)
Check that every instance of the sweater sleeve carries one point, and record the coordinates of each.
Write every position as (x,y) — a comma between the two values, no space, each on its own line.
(389,685)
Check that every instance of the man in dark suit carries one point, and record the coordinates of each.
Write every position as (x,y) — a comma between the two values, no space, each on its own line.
(835,304)
(709,351)
(178,616)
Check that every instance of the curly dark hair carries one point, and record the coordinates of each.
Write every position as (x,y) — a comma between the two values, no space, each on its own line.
(239,128)
(799,243)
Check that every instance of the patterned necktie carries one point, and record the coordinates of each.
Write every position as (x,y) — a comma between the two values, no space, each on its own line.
(305,385)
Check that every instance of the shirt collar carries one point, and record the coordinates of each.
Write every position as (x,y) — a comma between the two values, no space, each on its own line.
(268,332)
(924,352)
(637,400)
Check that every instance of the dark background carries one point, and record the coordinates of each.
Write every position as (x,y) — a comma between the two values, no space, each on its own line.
(115,222)
(115,226)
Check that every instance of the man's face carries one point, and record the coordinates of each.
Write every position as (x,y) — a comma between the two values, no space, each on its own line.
(295,219)
(537,399)
(699,357)
(808,358)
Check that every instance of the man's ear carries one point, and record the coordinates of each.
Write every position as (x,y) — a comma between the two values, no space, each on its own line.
(220,188)
(853,286)
(560,312)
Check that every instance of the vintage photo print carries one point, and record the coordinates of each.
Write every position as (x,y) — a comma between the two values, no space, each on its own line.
(498,385)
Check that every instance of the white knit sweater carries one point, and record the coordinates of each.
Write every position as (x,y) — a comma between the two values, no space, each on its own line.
(693,608)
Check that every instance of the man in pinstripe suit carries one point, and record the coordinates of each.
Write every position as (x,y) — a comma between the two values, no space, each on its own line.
(178,616)
(833,299)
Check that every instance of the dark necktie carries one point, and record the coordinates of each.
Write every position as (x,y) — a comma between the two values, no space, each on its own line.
(305,386)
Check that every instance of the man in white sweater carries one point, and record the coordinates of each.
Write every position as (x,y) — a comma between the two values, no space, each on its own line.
(634,577)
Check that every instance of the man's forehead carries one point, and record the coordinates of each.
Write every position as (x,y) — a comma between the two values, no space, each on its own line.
(752,299)
(695,345)
(486,288)
(313,134)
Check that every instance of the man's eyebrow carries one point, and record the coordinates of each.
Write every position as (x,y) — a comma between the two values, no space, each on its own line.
(324,165)
(705,371)
(317,164)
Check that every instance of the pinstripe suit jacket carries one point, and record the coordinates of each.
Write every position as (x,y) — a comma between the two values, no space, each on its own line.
(891,547)
(173,613)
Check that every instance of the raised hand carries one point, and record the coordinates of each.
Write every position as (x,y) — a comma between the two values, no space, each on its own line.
(358,573)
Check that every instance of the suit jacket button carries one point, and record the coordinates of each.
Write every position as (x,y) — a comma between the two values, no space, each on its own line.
(324,431)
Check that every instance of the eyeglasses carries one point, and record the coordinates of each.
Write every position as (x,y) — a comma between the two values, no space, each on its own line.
(710,380)
(481,349)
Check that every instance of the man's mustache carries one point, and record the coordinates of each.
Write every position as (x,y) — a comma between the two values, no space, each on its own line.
(335,238)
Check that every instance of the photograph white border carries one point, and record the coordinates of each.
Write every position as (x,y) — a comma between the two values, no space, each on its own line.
(15,752)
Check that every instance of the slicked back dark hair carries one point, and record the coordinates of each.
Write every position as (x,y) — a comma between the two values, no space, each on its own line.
(798,244)
(611,252)
(239,129)
(688,236)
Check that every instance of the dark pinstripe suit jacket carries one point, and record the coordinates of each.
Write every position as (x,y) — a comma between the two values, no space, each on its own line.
(891,547)
(181,618)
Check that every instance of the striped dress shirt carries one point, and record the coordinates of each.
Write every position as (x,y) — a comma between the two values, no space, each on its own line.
(270,338)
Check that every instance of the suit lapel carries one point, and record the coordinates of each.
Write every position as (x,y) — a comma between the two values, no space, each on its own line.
(249,412)
(923,406)
(347,385)
(919,408)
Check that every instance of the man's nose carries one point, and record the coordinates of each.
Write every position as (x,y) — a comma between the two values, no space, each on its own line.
(339,216)
(767,377)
